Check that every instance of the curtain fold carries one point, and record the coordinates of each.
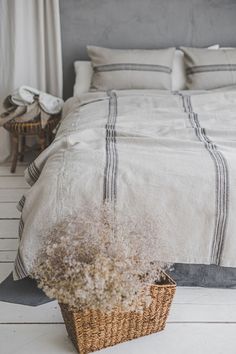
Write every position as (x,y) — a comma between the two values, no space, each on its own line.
(30,51)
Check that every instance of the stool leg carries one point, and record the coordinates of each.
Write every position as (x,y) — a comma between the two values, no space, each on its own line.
(22,148)
(50,137)
(15,143)
(42,140)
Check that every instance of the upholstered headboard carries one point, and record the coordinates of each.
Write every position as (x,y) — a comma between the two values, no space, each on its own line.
(142,24)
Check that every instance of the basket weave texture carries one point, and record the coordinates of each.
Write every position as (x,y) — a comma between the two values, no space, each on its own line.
(32,127)
(92,330)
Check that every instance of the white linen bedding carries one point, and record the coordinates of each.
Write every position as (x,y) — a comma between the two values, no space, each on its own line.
(172,154)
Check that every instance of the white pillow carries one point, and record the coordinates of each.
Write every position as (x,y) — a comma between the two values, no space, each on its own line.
(84,73)
(83,77)
(178,71)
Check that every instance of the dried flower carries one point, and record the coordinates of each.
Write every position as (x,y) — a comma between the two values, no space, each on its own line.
(99,259)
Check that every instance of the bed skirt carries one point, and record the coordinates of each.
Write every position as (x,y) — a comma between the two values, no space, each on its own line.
(211,276)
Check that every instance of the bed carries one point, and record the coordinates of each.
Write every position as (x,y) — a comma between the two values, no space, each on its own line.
(170,152)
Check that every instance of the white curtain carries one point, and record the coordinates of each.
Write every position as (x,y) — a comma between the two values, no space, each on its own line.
(30,51)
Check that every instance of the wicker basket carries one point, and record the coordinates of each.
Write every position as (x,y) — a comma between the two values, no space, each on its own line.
(91,330)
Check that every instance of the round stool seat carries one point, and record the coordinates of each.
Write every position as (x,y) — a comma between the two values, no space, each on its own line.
(32,127)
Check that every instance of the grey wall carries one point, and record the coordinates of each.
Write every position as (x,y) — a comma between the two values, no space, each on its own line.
(142,24)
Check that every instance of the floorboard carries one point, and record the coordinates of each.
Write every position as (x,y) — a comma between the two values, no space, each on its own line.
(11,195)
(9,228)
(5,270)
(190,295)
(7,256)
(13,182)
(5,170)
(184,313)
(13,313)
(191,338)
(8,244)
(9,211)
(203,313)
(35,339)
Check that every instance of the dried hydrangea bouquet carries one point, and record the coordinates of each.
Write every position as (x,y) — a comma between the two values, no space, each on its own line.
(104,271)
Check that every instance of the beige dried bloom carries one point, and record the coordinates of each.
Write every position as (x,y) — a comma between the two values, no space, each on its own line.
(100,259)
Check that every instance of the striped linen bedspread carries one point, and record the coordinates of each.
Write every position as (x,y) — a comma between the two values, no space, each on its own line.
(172,154)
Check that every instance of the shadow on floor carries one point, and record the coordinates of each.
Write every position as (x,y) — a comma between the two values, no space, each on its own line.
(24,292)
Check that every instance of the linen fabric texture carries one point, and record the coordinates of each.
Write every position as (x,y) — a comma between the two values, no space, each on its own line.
(131,69)
(84,73)
(209,69)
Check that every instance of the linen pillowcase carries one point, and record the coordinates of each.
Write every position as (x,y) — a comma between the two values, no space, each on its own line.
(84,73)
(208,69)
(131,69)
(178,73)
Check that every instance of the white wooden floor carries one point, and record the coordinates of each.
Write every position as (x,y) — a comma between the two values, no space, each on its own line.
(202,321)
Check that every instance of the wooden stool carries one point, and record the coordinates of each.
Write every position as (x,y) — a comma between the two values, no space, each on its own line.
(20,130)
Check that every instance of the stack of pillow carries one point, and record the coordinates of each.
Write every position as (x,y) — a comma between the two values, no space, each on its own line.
(164,69)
